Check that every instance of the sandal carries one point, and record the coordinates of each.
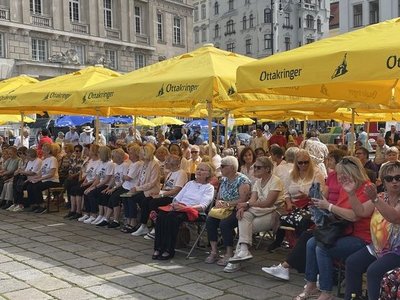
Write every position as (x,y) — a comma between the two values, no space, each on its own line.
(212,258)
(223,261)
(127,229)
(308,295)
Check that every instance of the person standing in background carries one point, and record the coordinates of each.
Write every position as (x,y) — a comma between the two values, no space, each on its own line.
(259,141)
(72,136)
(25,139)
(392,136)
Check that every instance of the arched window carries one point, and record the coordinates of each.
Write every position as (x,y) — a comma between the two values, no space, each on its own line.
(230,27)
(267,15)
(216,8)
(319,25)
(216,31)
(310,22)
(251,21)
(244,20)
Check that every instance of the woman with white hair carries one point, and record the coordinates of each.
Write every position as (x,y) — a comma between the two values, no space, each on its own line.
(215,158)
(234,189)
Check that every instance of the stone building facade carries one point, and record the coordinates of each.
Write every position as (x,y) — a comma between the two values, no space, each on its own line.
(260,28)
(46,38)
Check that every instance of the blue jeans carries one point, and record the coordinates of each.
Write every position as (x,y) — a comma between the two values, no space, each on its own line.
(319,260)
(226,226)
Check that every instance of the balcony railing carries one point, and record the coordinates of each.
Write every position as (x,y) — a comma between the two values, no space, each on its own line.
(41,21)
(80,28)
(4,14)
(113,33)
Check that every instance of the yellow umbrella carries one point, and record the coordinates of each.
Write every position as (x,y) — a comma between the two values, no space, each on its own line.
(347,67)
(56,94)
(204,75)
(159,121)
(13,83)
(14,119)
(239,121)
(143,122)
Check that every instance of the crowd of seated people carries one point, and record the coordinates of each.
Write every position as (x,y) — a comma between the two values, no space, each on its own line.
(148,188)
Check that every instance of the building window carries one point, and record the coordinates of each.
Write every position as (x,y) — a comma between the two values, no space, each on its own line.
(230,27)
(310,22)
(138,19)
(203,11)
(108,22)
(230,4)
(196,13)
(2,43)
(230,47)
(251,21)
(36,6)
(216,8)
(74,10)
(244,20)
(248,46)
(267,15)
(374,12)
(39,50)
(111,58)
(287,43)
(287,19)
(203,34)
(177,31)
(140,61)
(196,35)
(216,31)
(80,53)
(319,25)
(246,2)
(267,41)
(309,41)
(160,29)
(357,15)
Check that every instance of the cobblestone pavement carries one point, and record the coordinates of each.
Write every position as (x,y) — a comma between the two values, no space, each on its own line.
(47,257)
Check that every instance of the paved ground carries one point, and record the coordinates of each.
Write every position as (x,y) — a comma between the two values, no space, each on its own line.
(46,257)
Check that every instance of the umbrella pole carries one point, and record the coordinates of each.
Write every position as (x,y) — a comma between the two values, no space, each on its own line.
(305,126)
(21,133)
(218,133)
(343,135)
(368,124)
(226,130)
(97,124)
(353,112)
(209,111)
(134,127)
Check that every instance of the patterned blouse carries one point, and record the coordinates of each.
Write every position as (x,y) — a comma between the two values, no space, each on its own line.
(229,190)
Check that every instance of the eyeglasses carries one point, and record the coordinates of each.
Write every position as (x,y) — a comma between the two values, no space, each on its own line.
(348,161)
(78,151)
(303,162)
(194,151)
(223,166)
(258,167)
(389,178)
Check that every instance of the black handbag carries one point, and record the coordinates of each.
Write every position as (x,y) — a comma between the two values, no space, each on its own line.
(331,230)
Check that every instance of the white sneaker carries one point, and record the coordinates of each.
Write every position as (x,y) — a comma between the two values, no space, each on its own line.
(230,268)
(18,208)
(98,220)
(141,231)
(277,271)
(89,220)
(151,235)
(241,255)
(83,218)
(11,208)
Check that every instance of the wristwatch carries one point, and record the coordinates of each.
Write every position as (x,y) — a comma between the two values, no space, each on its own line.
(374,201)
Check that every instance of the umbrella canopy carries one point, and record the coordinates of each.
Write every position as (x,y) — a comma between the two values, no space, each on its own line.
(239,121)
(56,94)
(345,67)
(143,122)
(10,84)
(65,121)
(207,74)
(159,121)
(14,119)
(199,123)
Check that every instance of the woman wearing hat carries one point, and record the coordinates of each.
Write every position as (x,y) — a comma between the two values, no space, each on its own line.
(86,136)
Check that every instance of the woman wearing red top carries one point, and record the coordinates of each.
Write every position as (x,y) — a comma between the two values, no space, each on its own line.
(319,260)
(44,138)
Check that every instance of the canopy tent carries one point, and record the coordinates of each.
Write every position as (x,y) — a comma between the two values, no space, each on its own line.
(65,121)
(346,67)
(160,121)
(14,119)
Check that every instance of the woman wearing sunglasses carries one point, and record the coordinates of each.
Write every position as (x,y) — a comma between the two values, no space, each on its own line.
(383,254)
(352,205)
(297,185)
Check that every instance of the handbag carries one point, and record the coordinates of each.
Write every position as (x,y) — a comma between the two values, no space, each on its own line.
(331,230)
(220,213)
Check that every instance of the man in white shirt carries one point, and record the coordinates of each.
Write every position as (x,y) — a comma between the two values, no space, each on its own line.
(25,139)
(86,137)
(317,150)
(130,138)
(72,136)
(260,141)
